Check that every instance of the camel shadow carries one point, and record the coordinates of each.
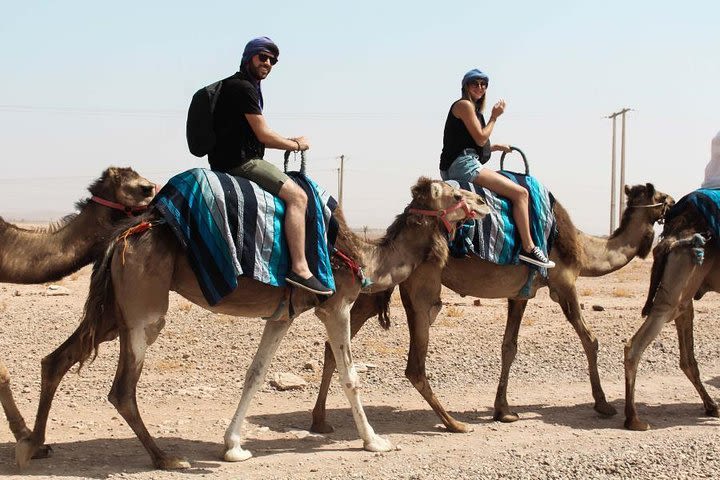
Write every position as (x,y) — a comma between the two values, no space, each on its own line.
(101,457)
(423,422)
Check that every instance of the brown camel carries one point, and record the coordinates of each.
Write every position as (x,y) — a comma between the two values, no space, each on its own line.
(49,254)
(130,299)
(575,254)
(677,279)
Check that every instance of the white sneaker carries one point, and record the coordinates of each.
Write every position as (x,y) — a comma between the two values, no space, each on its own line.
(536,257)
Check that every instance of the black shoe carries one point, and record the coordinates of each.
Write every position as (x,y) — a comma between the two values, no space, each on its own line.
(311,284)
(536,257)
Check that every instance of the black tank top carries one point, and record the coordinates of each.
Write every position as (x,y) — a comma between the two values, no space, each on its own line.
(456,138)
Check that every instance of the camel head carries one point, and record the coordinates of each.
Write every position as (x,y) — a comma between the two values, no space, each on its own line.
(451,205)
(124,186)
(645,197)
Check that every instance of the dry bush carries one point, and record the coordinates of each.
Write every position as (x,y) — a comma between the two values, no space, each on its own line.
(586,292)
(185,307)
(74,276)
(226,319)
(169,364)
(621,292)
(3,306)
(454,312)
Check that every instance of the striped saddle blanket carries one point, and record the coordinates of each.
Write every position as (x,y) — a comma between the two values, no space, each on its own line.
(230,227)
(707,202)
(494,237)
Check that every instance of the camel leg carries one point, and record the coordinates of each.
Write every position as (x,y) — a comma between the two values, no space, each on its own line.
(272,335)
(133,344)
(421,299)
(319,415)
(516,309)
(53,369)
(571,309)
(335,314)
(675,281)
(13,415)
(688,364)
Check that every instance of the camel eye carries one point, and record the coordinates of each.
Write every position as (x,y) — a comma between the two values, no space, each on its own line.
(458,197)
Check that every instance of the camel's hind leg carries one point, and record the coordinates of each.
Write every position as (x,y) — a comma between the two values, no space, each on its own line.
(335,314)
(677,280)
(13,415)
(571,308)
(688,364)
(516,309)
(319,414)
(272,335)
(421,299)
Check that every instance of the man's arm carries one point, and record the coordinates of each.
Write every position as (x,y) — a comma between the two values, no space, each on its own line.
(270,138)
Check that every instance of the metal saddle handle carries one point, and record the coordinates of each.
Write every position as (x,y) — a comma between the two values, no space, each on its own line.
(302,160)
(524,158)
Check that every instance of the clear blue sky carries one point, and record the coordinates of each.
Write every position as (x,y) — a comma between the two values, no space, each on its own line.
(86,85)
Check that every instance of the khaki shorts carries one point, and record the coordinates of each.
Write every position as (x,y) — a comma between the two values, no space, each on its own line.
(262,172)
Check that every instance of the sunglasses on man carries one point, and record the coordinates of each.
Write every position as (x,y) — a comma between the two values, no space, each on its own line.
(264,57)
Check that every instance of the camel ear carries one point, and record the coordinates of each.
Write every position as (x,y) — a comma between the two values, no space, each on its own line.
(627,190)
(435,190)
(650,189)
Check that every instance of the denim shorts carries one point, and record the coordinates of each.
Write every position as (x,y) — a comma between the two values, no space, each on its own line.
(464,168)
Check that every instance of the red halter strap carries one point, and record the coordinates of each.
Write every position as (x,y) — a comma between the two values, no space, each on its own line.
(129,211)
(442,214)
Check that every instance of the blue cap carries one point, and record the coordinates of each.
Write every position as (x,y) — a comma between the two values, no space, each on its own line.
(259,45)
(474,74)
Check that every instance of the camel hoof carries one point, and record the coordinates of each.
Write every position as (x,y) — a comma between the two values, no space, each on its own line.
(460,427)
(506,417)
(605,409)
(636,425)
(321,428)
(45,451)
(172,463)
(712,412)
(25,450)
(237,454)
(378,444)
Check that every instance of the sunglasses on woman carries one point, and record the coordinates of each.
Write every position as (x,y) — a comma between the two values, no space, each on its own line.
(263,57)
(478,83)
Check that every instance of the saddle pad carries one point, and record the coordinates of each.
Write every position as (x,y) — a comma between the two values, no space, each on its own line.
(230,227)
(707,202)
(494,237)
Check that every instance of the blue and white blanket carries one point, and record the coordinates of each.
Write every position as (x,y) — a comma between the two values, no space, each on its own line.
(494,237)
(230,227)
(707,202)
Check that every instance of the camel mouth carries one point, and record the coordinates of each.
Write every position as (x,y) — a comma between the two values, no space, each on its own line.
(481,210)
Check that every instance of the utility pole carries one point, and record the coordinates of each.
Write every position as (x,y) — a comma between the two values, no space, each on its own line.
(613,187)
(340,180)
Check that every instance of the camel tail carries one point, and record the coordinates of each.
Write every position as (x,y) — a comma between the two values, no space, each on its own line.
(99,322)
(660,254)
(382,302)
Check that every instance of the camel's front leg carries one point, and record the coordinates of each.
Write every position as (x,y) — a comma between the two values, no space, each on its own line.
(335,314)
(358,317)
(516,308)
(688,364)
(272,335)
(420,295)
(571,308)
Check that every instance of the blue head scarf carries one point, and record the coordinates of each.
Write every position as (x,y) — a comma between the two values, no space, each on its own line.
(259,45)
(253,47)
(474,74)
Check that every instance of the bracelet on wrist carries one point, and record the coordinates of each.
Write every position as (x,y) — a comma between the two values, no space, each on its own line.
(298,145)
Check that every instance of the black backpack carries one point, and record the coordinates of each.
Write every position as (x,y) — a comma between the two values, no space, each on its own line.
(199,128)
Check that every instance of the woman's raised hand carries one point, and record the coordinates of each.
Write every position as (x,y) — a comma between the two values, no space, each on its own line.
(498,109)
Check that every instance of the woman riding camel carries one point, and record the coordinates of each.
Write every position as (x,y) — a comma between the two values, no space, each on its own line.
(466,147)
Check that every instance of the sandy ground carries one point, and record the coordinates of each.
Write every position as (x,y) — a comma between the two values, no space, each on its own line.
(193,377)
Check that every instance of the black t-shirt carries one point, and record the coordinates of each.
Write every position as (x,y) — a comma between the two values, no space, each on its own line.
(457,138)
(236,141)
